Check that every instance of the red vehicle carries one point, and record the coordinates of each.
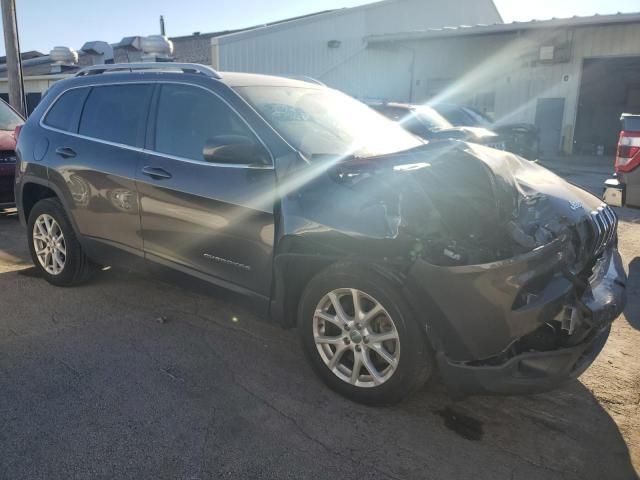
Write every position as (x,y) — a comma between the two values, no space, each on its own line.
(624,188)
(9,121)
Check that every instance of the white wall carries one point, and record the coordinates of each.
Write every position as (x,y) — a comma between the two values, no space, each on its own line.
(39,84)
(300,47)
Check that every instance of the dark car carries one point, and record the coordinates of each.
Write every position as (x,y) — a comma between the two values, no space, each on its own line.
(425,122)
(393,257)
(624,188)
(9,121)
(520,138)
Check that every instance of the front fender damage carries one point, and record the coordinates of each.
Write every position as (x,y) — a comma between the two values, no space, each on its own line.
(500,250)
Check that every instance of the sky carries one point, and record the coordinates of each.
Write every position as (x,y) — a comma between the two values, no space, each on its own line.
(46,24)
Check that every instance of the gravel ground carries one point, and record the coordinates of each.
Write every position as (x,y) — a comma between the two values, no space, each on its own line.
(129,377)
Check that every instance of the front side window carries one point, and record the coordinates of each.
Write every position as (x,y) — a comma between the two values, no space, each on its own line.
(116,113)
(321,122)
(63,115)
(190,118)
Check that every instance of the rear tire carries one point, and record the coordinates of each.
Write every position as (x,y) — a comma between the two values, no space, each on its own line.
(378,338)
(54,247)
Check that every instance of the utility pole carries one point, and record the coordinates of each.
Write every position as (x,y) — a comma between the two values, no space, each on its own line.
(14,62)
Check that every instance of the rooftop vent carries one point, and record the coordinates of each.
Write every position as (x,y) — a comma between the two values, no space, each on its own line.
(63,58)
(156,48)
(101,52)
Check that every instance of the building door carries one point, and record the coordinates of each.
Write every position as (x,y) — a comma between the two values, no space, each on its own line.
(549,114)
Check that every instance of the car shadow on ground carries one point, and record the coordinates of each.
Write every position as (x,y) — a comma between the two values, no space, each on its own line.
(13,240)
(565,432)
(632,310)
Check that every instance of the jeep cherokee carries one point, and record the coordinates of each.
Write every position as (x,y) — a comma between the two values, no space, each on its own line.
(393,256)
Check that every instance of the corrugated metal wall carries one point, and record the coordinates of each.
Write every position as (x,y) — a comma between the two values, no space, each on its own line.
(505,65)
(301,47)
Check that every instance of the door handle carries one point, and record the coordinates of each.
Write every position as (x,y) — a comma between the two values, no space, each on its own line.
(65,152)
(156,173)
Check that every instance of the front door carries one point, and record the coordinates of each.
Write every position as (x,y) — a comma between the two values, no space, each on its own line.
(206,218)
(549,114)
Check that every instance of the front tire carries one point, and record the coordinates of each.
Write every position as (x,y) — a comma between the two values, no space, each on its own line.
(55,249)
(360,336)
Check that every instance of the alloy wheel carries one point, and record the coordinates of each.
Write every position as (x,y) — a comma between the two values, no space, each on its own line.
(356,337)
(49,244)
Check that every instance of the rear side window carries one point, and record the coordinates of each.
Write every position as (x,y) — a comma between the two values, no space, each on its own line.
(188,117)
(116,113)
(64,113)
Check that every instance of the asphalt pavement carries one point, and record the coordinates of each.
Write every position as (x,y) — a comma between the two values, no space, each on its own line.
(130,377)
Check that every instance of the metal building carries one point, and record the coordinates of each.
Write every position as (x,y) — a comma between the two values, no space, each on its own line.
(332,48)
(571,77)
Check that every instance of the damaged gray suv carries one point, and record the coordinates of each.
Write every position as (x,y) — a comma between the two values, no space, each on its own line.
(392,256)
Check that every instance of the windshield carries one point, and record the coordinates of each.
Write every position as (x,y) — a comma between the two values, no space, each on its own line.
(432,119)
(482,119)
(459,117)
(324,122)
(9,119)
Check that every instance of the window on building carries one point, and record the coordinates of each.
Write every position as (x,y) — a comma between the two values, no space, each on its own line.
(116,113)
(64,113)
(33,99)
(190,117)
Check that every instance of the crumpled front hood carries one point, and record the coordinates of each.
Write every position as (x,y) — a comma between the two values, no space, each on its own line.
(528,180)
(463,203)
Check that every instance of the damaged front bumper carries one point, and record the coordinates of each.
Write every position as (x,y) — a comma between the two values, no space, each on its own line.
(500,329)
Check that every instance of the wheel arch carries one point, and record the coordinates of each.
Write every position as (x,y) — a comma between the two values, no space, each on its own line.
(292,273)
(34,189)
(32,192)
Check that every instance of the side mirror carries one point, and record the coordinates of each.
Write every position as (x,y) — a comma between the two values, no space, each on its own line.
(234,149)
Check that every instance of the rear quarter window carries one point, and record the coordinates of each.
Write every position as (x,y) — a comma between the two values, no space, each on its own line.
(116,113)
(65,111)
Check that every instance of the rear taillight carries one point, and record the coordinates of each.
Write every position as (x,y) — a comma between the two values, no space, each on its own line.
(628,154)
(16,132)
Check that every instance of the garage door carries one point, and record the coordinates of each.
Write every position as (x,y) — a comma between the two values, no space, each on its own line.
(609,87)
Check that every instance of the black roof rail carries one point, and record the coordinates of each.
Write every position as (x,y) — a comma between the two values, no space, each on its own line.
(151,66)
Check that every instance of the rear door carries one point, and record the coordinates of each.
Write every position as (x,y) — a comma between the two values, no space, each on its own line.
(213,220)
(96,140)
